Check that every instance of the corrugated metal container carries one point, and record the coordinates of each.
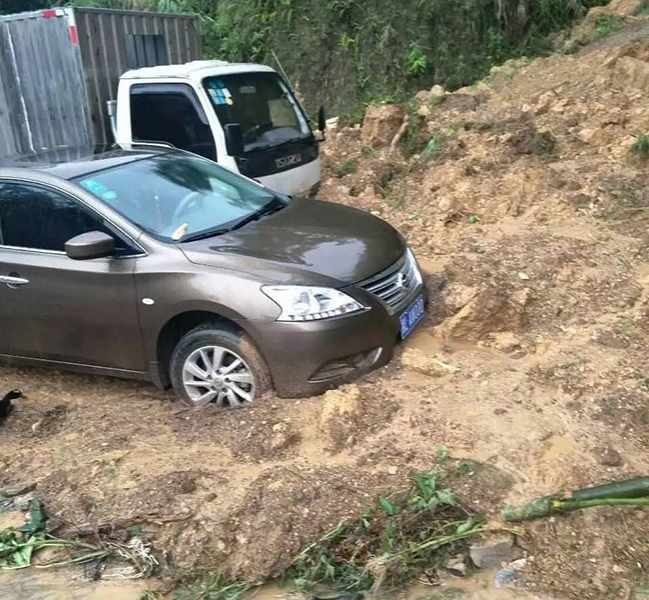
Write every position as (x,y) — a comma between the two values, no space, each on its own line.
(59,67)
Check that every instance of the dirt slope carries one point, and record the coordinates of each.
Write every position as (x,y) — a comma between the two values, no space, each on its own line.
(529,214)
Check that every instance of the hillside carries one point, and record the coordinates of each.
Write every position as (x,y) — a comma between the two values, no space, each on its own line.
(528,205)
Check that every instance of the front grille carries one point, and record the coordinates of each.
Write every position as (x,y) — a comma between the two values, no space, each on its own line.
(395,284)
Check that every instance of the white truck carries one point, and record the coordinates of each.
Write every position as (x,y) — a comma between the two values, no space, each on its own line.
(243,116)
(74,77)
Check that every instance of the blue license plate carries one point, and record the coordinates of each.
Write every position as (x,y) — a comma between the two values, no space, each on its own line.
(409,319)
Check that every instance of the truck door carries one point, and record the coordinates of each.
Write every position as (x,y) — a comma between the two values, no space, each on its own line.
(171,112)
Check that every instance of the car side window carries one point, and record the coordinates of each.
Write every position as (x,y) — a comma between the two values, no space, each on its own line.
(178,108)
(36,218)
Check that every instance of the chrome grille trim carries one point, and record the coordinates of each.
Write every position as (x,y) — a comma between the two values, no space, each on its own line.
(395,284)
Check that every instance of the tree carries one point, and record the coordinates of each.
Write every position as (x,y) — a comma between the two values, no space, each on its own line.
(14,6)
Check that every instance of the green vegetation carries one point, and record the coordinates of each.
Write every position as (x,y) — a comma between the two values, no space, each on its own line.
(346,168)
(216,587)
(606,25)
(344,54)
(19,546)
(415,138)
(641,146)
(642,8)
(392,543)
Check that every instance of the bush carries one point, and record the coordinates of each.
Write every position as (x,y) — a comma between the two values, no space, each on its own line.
(642,8)
(606,25)
(641,146)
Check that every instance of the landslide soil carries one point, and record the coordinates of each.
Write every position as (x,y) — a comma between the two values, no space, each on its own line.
(530,220)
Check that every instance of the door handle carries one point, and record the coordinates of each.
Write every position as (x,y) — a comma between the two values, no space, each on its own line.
(13,282)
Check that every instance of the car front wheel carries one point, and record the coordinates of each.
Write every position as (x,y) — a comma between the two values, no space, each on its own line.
(217,364)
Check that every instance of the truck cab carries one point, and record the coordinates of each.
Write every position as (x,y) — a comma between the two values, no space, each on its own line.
(244,116)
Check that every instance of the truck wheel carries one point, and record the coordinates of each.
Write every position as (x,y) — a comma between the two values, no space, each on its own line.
(215,363)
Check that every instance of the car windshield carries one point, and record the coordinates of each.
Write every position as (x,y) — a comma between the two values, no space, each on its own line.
(261,103)
(179,197)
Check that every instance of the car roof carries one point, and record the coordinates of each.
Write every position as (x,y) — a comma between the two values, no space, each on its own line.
(68,163)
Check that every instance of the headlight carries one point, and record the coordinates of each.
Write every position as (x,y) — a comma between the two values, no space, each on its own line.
(415,268)
(306,303)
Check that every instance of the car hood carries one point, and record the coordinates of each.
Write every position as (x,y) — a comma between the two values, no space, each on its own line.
(320,240)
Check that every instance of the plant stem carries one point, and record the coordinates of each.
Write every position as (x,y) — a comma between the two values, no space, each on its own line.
(579,504)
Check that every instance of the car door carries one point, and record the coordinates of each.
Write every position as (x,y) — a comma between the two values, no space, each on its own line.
(53,307)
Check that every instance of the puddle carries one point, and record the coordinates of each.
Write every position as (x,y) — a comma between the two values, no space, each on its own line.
(32,584)
(430,265)
(49,585)
(478,587)
(430,344)
(559,446)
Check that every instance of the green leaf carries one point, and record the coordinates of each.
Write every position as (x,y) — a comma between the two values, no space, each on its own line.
(442,452)
(465,527)
(446,497)
(36,521)
(389,508)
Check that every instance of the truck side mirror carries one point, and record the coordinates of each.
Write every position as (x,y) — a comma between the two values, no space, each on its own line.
(233,139)
(322,121)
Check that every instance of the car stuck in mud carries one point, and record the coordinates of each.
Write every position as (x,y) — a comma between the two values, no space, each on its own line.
(153,263)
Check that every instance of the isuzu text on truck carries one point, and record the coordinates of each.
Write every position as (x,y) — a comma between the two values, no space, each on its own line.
(72,77)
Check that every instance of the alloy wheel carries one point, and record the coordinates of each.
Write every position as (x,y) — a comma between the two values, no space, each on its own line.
(216,374)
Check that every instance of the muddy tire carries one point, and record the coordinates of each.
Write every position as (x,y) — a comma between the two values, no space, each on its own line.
(216,363)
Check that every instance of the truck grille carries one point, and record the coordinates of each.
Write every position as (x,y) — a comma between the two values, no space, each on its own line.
(395,284)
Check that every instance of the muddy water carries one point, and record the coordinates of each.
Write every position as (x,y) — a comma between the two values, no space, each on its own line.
(50,585)
(31,584)
(479,587)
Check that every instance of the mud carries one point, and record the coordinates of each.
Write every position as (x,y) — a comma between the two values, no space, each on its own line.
(538,270)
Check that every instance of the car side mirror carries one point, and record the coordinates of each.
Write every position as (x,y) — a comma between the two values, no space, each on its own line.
(94,244)
(233,139)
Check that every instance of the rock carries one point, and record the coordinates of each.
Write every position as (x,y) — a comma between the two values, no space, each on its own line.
(456,566)
(629,72)
(284,436)
(450,204)
(423,96)
(522,275)
(342,411)
(522,297)
(622,8)
(17,490)
(508,575)
(460,102)
(437,90)
(490,310)
(506,341)
(424,110)
(544,102)
(381,124)
(458,296)
(609,457)
(493,551)
(416,360)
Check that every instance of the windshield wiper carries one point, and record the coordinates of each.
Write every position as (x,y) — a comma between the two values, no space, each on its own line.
(269,145)
(202,235)
(269,209)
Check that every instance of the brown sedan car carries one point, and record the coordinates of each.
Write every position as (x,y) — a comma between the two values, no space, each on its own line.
(157,264)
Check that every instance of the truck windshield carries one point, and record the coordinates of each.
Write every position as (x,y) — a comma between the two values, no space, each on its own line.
(261,103)
(178,197)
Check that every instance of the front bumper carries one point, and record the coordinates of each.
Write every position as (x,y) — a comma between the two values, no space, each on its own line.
(308,358)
